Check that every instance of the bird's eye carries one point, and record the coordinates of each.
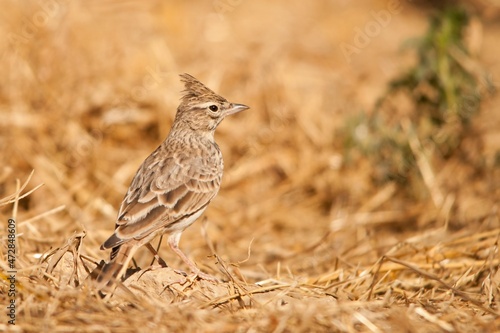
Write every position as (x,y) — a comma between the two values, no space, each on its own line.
(213,108)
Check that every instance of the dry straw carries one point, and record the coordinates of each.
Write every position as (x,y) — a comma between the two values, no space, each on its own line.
(302,237)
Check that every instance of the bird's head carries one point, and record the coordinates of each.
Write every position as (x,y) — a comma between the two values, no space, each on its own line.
(201,109)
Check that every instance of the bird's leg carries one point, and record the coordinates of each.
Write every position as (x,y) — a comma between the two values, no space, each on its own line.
(173,242)
(157,257)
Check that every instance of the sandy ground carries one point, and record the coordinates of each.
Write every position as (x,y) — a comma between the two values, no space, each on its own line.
(303,235)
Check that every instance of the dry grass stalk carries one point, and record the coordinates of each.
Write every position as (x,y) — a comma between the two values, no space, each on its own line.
(301,236)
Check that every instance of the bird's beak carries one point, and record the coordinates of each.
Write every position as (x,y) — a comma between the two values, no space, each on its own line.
(236,108)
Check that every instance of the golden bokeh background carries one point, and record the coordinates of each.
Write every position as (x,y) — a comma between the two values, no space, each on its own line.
(89,88)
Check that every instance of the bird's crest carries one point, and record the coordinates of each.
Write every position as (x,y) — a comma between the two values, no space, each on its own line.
(196,92)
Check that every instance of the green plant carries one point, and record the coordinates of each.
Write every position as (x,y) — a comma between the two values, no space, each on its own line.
(436,99)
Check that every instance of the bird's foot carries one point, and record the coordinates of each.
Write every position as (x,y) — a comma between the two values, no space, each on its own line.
(197,275)
(206,277)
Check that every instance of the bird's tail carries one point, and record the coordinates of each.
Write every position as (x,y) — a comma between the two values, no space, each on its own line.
(113,271)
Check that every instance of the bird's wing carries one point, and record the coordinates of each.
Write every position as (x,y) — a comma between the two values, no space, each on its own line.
(163,192)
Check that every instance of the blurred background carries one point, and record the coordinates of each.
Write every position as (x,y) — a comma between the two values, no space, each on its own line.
(369,123)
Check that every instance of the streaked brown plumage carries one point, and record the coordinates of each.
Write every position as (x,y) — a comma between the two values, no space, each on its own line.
(174,185)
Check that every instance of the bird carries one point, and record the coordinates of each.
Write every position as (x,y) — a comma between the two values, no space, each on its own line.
(174,185)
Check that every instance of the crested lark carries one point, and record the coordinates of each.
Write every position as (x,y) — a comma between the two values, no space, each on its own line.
(174,185)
